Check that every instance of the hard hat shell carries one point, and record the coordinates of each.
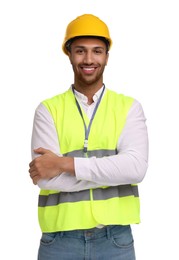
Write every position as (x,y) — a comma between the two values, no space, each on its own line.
(86,25)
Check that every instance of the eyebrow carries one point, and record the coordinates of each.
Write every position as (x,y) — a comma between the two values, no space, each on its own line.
(84,47)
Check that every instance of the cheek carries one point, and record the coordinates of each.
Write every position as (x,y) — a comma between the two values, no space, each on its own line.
(75,62)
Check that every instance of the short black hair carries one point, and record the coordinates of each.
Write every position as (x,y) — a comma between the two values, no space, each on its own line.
(69,42)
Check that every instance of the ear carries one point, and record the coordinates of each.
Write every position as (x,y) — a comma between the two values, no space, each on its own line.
(69,56)
(107,57)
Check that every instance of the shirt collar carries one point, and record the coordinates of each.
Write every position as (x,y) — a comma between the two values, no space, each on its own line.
(82,98)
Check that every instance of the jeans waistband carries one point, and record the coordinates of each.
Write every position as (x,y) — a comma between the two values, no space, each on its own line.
(94,233)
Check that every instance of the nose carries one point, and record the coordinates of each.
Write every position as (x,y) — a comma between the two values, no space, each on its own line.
(88,58)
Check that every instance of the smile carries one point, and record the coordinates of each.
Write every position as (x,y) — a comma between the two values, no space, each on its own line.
(88,70)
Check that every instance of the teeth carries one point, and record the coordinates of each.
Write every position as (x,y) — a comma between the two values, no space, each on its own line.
(88,69)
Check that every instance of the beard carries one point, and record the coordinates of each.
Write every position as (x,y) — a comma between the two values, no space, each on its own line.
(85,79)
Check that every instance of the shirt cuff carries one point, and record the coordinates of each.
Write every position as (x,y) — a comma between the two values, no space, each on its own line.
(82,168)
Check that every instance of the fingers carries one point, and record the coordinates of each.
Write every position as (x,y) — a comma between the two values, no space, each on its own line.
(33,171)
(43,166)
(31,164)
(35,179)
(41,150)
(34,175)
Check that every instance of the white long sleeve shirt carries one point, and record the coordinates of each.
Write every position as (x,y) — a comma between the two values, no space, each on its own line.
(128,166)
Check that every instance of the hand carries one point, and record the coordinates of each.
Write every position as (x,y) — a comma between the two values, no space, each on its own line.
(45,166)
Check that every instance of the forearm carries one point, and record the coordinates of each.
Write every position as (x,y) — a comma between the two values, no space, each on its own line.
(44,135)
(66,183)
(50,171)
(129,165)
(63,179)
(124,168)
(66,164)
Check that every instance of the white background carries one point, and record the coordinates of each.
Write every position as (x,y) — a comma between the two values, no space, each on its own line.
(144,63)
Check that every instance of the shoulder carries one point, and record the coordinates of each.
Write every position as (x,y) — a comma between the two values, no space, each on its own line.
(119,100)
(125,102)
(57,100)
(120,96)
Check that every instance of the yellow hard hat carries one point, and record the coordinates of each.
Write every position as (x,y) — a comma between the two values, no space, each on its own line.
(86,25)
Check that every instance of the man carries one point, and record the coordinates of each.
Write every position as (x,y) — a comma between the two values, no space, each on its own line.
(89,150)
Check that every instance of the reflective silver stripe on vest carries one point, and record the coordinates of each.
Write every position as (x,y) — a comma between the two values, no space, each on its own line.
(97,153)
(98,194)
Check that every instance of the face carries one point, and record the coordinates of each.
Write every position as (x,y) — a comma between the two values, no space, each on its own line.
(88,58)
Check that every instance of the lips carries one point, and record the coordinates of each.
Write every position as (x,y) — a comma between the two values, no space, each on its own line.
(88,70)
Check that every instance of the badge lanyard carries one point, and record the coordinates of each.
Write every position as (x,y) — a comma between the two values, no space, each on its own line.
(87,129)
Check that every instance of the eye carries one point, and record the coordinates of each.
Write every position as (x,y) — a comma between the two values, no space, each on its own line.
(98,51)
(79,51)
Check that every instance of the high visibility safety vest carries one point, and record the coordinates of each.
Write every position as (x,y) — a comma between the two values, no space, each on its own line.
(62,211)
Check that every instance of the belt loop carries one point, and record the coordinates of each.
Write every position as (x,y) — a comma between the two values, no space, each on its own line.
(61,233)
(108,233)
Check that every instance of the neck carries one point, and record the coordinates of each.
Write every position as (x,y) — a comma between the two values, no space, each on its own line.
(88,91)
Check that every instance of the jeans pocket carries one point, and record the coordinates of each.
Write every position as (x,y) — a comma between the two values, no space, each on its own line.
(48,238)
(117,242)
(123,238)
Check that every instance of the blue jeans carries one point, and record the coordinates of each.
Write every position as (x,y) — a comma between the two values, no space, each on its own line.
(107,243)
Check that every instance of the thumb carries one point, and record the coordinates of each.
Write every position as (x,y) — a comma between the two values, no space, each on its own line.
(41,150)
